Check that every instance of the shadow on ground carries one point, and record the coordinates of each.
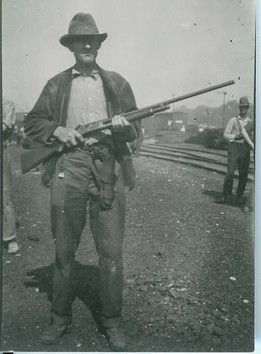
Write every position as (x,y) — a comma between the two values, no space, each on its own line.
(86,285)
(217,196)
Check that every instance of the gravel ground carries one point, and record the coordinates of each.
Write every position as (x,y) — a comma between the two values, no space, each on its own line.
(189,268)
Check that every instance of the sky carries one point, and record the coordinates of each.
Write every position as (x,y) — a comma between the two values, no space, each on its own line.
(164,48)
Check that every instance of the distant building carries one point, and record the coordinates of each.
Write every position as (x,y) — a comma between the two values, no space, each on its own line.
(165,122)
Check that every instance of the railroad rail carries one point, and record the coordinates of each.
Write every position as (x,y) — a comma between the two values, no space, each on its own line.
(209,159)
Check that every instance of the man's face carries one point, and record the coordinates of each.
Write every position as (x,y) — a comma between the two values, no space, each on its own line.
(85,49)
(243,111)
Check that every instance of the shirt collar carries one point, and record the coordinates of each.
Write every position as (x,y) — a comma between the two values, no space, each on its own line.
(93,74)
(246,118)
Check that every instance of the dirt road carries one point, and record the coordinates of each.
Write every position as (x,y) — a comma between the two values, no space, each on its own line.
(189,268)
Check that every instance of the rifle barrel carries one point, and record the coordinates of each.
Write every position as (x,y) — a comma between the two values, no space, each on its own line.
(192,94)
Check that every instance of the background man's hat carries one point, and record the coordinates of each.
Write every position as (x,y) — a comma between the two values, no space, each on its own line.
(82,25)
(243,102)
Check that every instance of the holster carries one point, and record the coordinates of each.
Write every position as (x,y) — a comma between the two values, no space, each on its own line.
(124,159)
(48,169)
(106,180)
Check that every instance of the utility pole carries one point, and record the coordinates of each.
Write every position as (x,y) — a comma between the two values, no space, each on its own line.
(224,108)
(208,118)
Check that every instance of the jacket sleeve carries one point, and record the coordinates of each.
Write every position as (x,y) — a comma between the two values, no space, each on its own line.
(128,104)
(39,123)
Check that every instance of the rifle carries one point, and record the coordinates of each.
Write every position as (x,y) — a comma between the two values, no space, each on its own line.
(244,133)
(42,152)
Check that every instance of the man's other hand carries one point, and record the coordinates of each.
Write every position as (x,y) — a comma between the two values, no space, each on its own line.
(238,136)
(4,128)
(119,124)
(68,136)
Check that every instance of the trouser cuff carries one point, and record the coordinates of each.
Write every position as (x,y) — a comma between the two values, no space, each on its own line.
(111,322)
(9,238)
(61,320)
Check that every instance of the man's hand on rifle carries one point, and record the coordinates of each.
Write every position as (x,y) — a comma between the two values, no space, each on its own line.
(68,136)
(119,124)
(244,134)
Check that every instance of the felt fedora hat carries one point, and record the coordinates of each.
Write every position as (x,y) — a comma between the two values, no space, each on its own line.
(243,102)
(82,25)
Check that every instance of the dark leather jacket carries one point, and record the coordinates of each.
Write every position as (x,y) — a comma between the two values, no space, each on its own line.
(50,111)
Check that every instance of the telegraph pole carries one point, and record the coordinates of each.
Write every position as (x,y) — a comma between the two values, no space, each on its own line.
(224,108)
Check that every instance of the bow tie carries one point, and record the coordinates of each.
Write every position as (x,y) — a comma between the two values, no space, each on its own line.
(93,74)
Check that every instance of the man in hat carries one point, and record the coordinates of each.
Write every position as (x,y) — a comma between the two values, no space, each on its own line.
(238,132)
(85,172)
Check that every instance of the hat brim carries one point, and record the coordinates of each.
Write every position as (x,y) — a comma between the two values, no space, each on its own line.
(67,39)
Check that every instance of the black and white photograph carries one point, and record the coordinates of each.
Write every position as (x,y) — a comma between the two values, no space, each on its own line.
(128,149)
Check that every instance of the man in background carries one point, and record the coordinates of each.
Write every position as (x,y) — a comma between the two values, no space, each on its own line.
(9,220)
(238,152)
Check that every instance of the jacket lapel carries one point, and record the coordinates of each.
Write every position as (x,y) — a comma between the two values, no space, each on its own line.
(111,93)
(63,95)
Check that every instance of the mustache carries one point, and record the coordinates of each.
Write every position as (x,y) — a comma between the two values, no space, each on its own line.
(87,52)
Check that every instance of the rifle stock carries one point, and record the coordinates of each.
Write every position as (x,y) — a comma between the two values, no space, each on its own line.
(33,157)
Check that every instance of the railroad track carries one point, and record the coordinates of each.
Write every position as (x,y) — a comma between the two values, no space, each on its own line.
(209,159)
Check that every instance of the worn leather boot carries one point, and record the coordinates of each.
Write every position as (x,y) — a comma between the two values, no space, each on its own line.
(227,199)
(54,333)
(116,339)
(13,247)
